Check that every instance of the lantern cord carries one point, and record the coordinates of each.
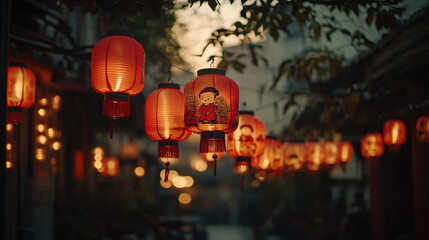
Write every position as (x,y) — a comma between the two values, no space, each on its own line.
(111,128)
(214,162)
(169,72)
(242,182)
(167,171)
(212,63)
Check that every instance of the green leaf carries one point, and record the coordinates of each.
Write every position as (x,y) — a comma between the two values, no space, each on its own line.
(212,4)
(274,33)
(223,64)
(238,66)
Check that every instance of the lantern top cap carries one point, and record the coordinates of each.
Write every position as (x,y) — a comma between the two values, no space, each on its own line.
(211,71)
(169,85)
(246,112)
(271,137)
(120,32)
(18,64)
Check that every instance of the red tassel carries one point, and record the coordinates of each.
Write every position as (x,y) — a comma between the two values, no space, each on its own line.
(167,171)
(242,182)
(15,115)
(212,145)
(116,108)
(214,164)
(168,149)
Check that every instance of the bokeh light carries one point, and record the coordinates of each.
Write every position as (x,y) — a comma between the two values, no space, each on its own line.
(185,198)
(41,128)
(8,146)
(139,171)
(198,164)
(9,164)
(43,101)
(9,127)
(56,145)
(256,183)
(42,139)
(165,184)
(56,102)
(41,112)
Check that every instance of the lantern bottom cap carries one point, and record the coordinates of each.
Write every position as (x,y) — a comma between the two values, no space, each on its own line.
(212,142)
(15,115)
(116,109)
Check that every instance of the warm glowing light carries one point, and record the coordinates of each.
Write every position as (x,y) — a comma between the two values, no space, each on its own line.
(56,102)
(98,165)
(9,164)
(50,132)
(42,112)
(40,154)
(261,175)
(41,128)
(98,157)
(180,182)
(43,101)
(189,181)
(98,151)
(185,198)
(9,127)
(165,184)
(56,145)
(199,165)
(170,160)
(8,146)
(42,139)
(139,171)
(171,176)
(256,183)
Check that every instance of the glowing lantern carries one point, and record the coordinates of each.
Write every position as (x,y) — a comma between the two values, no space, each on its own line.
(242,166)
(21,91)
(164,120)
(331,152)
(130,150)
(345,151)
(372,145)
(117,71)
(248,140)
(211,108)
(294,155)
(110,167)
(394,134)
(423,129)
(273,155)
(315,155)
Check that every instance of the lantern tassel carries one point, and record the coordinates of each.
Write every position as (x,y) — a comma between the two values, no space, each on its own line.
(167,171)
(111,128)
(168,149)
(242,182)
(214,162)
(116,108)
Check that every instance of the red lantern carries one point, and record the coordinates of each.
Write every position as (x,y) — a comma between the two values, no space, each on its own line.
(21,91)
(110,167)
(164,120)
(423,129)
(331,152)
(211,108)
(315,155)
(248,140)
(394,134)
(372,145)
(345,151)
(117,71)
(294,155)
(272,158)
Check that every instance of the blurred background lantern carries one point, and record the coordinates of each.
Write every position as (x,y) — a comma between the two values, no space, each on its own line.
(422,126)
(372,145)
(315,155)
(211,108)
(273,155)
(345,153)
(294,154)
(21,91)
(394,134)
(110,166)
(331,153)
(164,121)
(117,71)
(130,150)
(248,140)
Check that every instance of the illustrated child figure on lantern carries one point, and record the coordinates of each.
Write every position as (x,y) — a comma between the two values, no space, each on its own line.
(208,109)
(247,145)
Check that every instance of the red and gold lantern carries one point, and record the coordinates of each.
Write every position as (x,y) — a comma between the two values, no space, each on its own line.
(315,155)
(294,153)
(372,145)
(164,120)
(422,126)
(394,134)
(110,167)
(345,151)
(21,91)
(248,140)
(211,108)
(117,71)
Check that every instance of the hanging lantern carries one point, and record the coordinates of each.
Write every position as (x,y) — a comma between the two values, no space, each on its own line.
(164,121)
(21,91)
(394,134)
(372,145)
(315,155)
(110,167)
(345,152)
(273,155)
(130,150)
(423,129)
(331,152)
(294,155)
(117,71)
(211,108)
(247,142)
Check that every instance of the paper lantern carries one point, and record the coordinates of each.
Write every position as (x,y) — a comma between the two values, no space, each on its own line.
(315,155)
(211,108)
(294,153)
(164,120)
(372,145)
(272,159)
(422,126)
(117,71)
(130,150)
(394,133)
(247,142)
(345,151)
(110,167)
(21,91)
(331,152)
